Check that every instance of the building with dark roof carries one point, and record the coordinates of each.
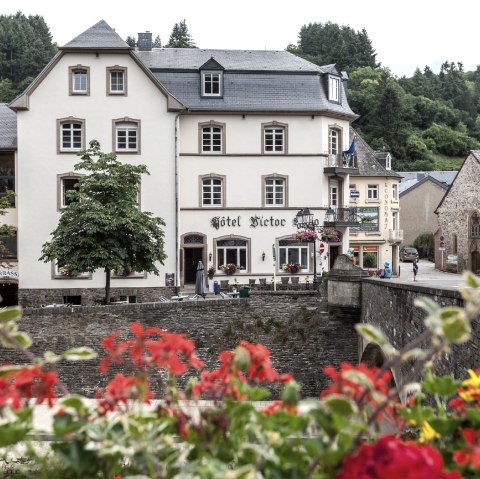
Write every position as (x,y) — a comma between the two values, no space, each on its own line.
(236,142)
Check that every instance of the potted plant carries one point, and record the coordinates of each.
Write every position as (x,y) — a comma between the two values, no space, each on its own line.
(330,235)
(306,236)
(291,267)
(211,271)
(229,268)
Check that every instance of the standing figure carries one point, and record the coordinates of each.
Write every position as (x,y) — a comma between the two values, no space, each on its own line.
(415,269)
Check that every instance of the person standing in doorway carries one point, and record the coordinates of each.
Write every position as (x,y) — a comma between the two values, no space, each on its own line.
(415,269)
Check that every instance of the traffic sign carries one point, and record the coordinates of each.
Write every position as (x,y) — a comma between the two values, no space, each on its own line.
(442,244)
(442,238)
(321,248)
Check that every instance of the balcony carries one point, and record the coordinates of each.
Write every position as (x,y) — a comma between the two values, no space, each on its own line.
(338,165)
(341,217)
(395,236)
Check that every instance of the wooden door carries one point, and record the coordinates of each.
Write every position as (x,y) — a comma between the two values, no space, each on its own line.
(192,257)
(476,262)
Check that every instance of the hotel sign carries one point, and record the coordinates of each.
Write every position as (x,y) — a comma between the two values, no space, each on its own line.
(254,222)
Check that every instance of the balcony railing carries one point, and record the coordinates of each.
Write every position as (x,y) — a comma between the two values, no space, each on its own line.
(339,161)
(395,236)
(341,217)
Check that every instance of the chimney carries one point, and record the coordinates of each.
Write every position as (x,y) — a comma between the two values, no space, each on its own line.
(144,43)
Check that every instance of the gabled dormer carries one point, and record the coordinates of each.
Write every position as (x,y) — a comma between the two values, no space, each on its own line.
(211,79)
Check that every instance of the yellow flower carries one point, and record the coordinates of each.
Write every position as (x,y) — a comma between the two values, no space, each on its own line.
(428,433)
(468,395)
(473,381)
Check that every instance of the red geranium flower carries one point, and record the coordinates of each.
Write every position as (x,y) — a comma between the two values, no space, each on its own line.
(470,455)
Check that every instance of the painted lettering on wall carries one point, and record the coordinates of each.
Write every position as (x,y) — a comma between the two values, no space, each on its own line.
(255,222)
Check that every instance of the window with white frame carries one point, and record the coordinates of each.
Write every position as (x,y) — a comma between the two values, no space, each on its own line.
(291,251)
(275,191)
(212,83)
(334,88)
(333,193)
(79,83)
(71,135)
(395,224)
(333,141)
(116,80)
(372,192)
(212,192)
(395,191)
(127,136)
(232,251)
(274,138)
(212,139)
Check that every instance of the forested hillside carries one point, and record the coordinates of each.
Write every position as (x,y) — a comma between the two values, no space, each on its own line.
(428,121)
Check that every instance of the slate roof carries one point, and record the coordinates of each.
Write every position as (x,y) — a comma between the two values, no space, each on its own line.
(367,161)
(411,178)
(100,36)
(8,128)
(254,80)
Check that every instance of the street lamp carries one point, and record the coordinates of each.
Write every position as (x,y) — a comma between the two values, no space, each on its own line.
(304,221)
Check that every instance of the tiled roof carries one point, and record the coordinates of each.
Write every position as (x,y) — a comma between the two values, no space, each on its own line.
(254,80)
(8,128)
(367,162)
(100,36)
(411,178)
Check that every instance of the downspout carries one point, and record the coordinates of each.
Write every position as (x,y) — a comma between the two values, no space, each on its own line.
(177,203)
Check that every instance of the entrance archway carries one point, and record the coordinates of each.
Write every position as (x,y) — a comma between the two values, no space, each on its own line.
(194,250)
(475,262)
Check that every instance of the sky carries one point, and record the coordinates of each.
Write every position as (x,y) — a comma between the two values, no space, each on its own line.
(405,34)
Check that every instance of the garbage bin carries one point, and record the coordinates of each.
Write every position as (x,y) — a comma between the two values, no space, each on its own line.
(216,287)
(245,293)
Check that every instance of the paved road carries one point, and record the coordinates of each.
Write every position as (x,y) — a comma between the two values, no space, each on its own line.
(428,276)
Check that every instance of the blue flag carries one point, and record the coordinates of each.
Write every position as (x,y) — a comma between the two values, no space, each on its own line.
(352,148)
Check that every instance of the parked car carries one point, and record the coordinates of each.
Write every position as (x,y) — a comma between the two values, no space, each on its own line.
(408,254)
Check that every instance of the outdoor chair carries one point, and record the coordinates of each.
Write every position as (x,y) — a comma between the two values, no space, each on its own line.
(163,299)
(224,285)
(251,283)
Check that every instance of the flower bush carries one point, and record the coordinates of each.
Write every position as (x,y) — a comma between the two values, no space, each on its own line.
(124,434)
(291,267)
(330,235)
(211,271)
(67,271)
(230,268)
(307,236)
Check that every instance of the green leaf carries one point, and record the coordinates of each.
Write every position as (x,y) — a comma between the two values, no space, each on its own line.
(11,433)
(340,404)
(65,423)
(371,333)
(291,393)
(23,339)
(51,357)
(456,327)
(79,354)
(444,385)
(413,354)
(445,426)
(11,313)
(75,402)
(474,416)
(427,304)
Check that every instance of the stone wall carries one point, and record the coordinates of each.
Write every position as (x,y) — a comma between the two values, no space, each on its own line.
(295,326)
(31,298)
(389,306)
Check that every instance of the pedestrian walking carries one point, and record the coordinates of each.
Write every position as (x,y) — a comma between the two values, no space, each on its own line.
(415,269)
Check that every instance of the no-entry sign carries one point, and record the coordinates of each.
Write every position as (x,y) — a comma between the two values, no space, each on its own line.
(321,248)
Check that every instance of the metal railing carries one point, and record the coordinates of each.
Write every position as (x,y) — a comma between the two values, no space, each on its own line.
(339,161)
(395,236)
(341,217)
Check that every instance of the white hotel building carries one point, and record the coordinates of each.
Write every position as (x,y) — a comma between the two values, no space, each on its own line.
(236,143)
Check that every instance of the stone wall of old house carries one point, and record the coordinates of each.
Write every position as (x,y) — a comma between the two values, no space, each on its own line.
(460,201)
(295,326)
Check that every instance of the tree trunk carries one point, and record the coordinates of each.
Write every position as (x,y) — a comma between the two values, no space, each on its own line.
(107,285)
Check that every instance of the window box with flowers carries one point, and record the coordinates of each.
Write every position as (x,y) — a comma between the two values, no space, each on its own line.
(230,268)
(330,235)
(291,267)
(306,236)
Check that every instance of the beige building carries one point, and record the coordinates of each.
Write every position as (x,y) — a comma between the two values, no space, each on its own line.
(418,204)
(374,191)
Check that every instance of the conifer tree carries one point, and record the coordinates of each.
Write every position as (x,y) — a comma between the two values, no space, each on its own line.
(180,38)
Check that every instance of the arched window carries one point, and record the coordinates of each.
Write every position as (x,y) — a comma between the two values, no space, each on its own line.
(234,250)
(212,138)
(274,138)
(126,135)
(212,188)
(70,135)
(475,225)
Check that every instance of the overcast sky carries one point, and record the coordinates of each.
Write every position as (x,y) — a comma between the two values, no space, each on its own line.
(405,34)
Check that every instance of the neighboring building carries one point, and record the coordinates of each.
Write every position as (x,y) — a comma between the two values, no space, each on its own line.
(236,142)
(8,166)
(374,190)
(459,216)
(420,194)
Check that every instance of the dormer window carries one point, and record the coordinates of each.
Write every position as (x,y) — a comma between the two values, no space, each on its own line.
(212,83)
(388,162)
(334,88)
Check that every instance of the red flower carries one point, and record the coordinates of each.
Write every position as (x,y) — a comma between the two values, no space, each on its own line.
(470,455)
(391,458)
(260,366)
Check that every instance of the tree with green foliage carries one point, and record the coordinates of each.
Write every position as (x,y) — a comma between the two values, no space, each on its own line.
(327,43)
(180,37)
(6,231)
(131,41)
(25,48)
(157,43)
(103,227)
(424,244)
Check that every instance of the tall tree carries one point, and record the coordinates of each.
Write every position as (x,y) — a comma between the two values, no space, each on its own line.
(131,41)
(326,43)
(25,48)
(102,227)
(157,43)
(180,38)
